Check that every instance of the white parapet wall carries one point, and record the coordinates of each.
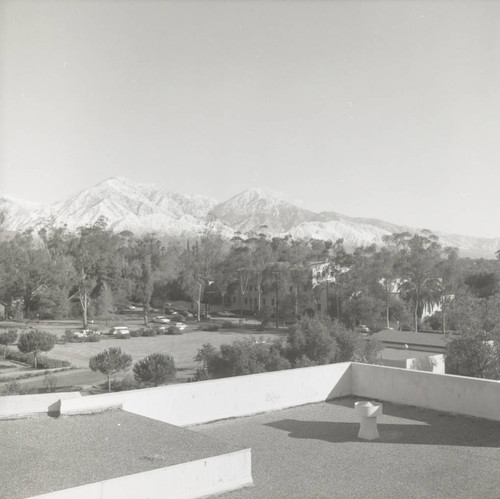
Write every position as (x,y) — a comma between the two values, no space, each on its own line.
(13,406)
(203,401)
(441,392)
(431,363)
(194,479)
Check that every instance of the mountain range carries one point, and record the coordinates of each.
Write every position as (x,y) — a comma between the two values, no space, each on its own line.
(141,209)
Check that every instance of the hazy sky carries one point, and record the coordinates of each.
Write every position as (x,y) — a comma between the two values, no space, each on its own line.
(370,108)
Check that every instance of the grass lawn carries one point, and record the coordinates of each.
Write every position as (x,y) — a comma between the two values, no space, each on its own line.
(183,348)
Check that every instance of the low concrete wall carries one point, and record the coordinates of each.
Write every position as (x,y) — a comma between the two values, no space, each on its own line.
(441,392)
(26,405)
(429,363)
(204,401)
(214,475)
(200,402)
(89,405)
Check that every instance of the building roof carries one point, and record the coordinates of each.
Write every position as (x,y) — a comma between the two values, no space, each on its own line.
(420,341)
(313,451)
(397,354)
(45,454)
(308,451)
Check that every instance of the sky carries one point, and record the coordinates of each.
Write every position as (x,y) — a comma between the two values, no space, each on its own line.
(378,109)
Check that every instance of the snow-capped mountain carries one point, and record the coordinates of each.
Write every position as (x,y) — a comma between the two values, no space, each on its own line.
(16,209)
(142,209)
(125,205)
(255,208)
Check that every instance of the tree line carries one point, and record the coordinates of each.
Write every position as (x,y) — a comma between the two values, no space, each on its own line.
(95,272)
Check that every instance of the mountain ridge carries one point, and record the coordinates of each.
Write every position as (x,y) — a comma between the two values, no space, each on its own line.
(147,208)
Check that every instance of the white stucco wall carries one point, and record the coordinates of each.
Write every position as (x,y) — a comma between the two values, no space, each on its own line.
(430,363)
(214,475)
(25,405)
(441,392)
(200,402)
(195,403)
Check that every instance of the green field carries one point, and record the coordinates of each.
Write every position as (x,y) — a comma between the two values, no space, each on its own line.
(183,348)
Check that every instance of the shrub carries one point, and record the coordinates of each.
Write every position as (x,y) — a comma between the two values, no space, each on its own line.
(48,363)
(17,356)
(155,369)
(135,333)
(8,337)
(434,321)
(242,357)
(227,325)
(201,374)
(123,384)
(370,351)
(473,354)
(149,331)
(348,344)
(210,327)
(68,335)
(312,338)
(43,362)
(13,388)
(173,330)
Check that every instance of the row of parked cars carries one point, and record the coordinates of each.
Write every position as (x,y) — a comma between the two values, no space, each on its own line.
(161,319)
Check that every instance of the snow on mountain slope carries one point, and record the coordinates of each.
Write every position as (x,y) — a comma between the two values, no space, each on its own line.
(352,234)
(253,208)
(126,205)
(19,214)
(143,208)
(363,231)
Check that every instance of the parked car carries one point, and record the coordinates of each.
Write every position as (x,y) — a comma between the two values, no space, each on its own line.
(226,313)
(363,329)
(160,319)
(185,314)
(119,331)
(180,325)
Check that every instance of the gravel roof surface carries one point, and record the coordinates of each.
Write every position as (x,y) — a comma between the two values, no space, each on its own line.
(313,451)
(44,454)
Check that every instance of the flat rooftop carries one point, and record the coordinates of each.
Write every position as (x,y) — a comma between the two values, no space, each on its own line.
(44,454)
(312,451)
(398,354)
(421,341)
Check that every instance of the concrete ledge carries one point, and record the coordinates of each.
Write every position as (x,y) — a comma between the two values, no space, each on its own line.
(19,406)
(213,475)
(195,403)
(441,392)
(411,360)
(87,405)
